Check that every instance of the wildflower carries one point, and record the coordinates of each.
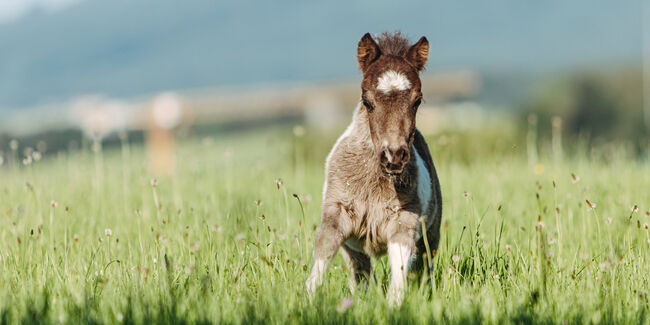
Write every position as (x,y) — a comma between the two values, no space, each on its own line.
(207,141)
(154,182)
(27,160)
(557,211)
(590,204)
(608,221)
(455,258)
(540,225)
(278,183)
(155,260)
(551,240)
(645,226)
(647,213)
(227,153)
(36,155)
(467,194)
(508,248)
(194,248)
(53,204)
(605,265)
(216,228)
(635,208)
(108,232)
(574,178)
(344,305)
(13,144)
(75,238)
(298,131)
(495,276)
(258,203)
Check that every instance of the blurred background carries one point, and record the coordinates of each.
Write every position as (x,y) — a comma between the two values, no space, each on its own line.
(77,73)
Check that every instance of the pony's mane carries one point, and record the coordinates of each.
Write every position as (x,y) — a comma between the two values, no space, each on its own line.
(392,44)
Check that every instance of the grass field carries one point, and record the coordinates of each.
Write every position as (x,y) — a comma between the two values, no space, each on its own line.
(86,238)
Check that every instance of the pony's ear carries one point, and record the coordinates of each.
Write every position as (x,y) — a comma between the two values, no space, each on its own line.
(418,53)
(367,51)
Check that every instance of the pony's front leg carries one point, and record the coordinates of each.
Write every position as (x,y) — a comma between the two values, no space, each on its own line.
(329,238)
(401,252)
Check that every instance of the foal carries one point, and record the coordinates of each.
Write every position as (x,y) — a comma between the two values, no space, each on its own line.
(379,177)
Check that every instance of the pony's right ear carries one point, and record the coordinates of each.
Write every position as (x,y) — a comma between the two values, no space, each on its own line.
(367,52)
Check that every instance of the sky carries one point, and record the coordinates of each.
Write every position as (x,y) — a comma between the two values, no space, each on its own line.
(11,10)
(54,50)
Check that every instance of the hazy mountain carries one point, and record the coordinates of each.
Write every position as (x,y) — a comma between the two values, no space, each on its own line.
(128,47)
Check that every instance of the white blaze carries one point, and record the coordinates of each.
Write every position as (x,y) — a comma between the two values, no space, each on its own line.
(392,80)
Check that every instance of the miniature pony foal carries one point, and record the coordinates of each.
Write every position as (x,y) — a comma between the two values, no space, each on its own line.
(380,181)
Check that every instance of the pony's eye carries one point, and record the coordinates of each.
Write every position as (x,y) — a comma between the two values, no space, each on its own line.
(367,104)
(417,103)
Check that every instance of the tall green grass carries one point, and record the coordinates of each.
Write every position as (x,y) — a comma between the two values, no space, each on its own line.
(87,238)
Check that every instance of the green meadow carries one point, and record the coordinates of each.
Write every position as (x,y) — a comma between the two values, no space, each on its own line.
(530,234)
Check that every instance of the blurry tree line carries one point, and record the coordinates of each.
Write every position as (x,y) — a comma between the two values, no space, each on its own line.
(596,106)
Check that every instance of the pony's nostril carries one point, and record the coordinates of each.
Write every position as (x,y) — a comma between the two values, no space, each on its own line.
(401,154)
(382,158)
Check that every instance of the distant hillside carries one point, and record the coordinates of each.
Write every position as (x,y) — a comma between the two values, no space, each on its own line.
(126,47)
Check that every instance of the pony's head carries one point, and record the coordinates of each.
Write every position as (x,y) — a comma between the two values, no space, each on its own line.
(391,94)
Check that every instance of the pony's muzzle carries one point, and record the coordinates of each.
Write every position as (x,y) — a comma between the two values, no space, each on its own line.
(394,159)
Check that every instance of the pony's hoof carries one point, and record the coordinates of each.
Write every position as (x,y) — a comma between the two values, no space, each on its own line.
(395,298)
(311,284)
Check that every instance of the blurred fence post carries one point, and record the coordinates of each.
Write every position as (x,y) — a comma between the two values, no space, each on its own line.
(165,113)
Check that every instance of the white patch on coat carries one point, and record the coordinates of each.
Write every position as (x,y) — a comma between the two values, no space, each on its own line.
(316,277)
(399,258)
(387,152)
(392,80)
(424,186)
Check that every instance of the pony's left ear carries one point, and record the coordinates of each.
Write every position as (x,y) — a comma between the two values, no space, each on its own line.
(367,52)
(418,53)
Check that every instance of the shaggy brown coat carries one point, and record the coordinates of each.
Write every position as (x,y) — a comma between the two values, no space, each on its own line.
(375,190)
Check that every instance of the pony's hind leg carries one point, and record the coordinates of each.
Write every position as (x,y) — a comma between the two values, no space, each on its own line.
(358,265)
